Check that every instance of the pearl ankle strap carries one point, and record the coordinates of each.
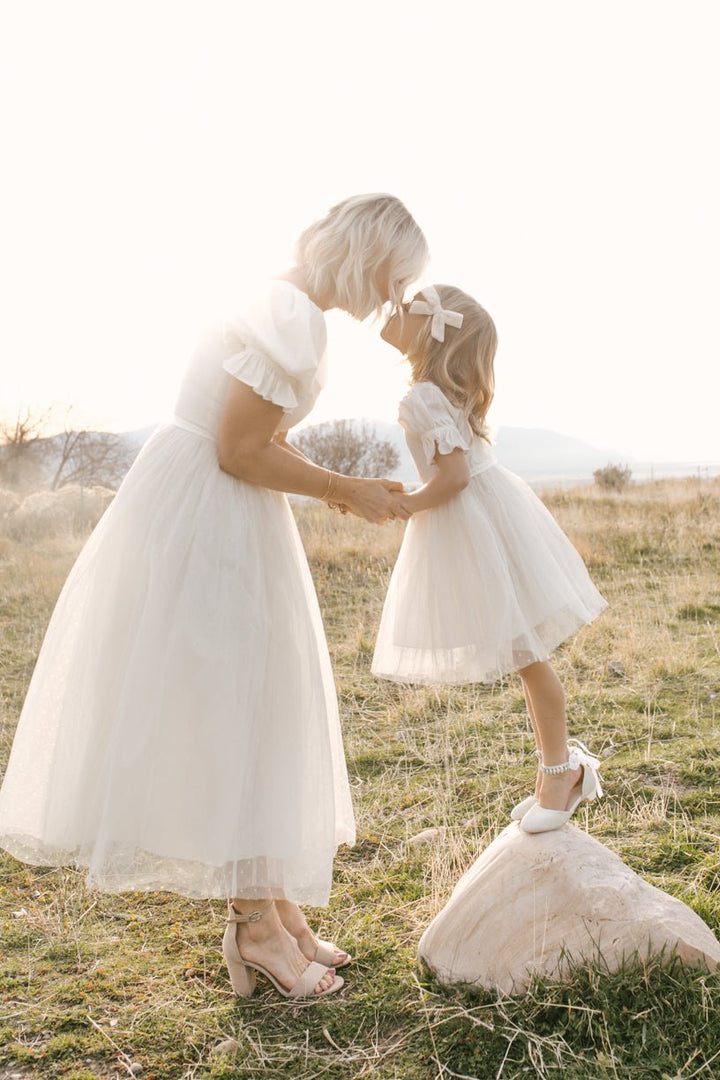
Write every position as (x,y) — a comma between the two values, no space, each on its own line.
(573,762)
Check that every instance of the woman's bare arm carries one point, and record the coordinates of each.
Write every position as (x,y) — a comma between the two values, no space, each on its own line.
(246,449)
(281,439)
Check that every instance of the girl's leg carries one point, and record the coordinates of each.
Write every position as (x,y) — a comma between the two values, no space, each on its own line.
(536,733)
(267,942)
(295,923)
(546,697)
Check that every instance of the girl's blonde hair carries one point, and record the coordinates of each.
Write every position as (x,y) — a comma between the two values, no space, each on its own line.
(362,244)
(462,364)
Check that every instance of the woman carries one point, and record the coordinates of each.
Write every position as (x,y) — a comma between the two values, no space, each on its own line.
(180,731)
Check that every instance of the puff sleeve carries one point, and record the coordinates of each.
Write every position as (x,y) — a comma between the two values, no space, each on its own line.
(426,413)
(277,346)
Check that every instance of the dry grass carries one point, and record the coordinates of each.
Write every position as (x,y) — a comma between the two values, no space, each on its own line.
(91,983)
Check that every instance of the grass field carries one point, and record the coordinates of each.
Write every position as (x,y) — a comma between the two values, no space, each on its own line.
(91,984)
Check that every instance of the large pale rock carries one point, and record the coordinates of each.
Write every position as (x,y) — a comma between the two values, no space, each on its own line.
(529,904)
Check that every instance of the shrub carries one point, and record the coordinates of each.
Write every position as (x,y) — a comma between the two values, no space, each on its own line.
(613,477)
(347,447)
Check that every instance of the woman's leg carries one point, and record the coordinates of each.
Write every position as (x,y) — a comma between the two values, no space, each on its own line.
(295,923)
(546,704)
(267,942)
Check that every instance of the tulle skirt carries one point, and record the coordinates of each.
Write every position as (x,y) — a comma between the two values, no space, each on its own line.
(484,584)
(181,728)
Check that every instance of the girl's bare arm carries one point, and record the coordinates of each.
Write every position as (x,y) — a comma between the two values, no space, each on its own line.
(452,476)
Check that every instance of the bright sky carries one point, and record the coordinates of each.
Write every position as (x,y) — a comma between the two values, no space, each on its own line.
(160,157)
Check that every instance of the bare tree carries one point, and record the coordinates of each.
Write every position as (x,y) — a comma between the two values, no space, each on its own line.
(20,440)
(75,456)
(89,458)
(348,448)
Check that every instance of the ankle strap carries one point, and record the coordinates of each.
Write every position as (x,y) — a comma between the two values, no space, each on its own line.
(254,916)
(574,760)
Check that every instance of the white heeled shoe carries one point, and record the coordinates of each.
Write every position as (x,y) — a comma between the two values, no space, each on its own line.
(538,818)
(520,809)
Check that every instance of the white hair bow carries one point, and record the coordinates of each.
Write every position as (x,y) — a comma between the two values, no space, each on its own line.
(441,317)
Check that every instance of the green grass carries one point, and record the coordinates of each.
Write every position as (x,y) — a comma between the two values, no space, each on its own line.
(91,983)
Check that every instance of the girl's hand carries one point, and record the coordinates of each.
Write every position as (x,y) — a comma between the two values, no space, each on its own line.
(404,507)
(370,499)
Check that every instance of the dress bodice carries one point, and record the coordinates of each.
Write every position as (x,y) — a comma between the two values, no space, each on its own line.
(432,424)
(277,346)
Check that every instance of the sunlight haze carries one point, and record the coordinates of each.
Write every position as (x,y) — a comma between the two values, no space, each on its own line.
(161,159)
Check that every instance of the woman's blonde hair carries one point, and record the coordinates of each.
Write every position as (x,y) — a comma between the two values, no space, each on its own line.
(462,364)
(362,244)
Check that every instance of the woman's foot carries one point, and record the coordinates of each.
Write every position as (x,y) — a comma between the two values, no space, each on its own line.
(295,923)
(267,943)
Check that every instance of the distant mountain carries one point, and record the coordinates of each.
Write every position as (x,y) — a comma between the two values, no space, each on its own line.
(538,454)
(85,457)
(136,439)
(533,453)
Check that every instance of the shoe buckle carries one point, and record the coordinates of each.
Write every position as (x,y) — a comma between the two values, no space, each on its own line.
(255,916)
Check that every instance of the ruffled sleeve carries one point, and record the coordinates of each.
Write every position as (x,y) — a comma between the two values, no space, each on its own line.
(277,345)
(441,427)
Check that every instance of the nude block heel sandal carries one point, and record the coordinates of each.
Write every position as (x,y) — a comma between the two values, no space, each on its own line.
(325,952)
(243,972)
(242,978)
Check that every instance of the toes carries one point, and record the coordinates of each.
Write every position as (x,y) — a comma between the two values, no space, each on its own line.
(326,981)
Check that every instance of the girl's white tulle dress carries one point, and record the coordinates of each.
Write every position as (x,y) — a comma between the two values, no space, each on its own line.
(181,728)
(485,583)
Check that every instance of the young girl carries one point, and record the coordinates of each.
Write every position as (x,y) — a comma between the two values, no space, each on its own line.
(486,582)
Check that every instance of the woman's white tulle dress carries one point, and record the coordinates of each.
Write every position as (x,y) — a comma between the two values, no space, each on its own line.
(485,583)
(181,728)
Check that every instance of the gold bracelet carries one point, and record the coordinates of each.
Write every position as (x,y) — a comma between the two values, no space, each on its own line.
(329,485)
(333,485)
(329,495)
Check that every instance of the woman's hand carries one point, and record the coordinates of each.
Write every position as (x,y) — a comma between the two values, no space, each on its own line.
(373,500)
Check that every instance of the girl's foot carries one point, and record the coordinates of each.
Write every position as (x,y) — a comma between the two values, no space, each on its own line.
(520,809)
(559,790)
(267,943)
(295,923)
(564,787)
